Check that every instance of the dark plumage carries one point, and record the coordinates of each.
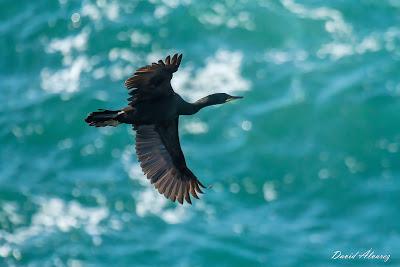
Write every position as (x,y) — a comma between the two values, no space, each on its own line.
(154,109)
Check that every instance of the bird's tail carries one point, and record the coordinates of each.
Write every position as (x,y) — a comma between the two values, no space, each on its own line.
(103,118)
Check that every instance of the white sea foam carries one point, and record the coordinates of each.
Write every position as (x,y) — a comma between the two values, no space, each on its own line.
(67,45)
(112,11)
(123,62)
(221,73)
(92,11)
(163,7)
(124,54)
(149,201)
(160,12)
(281,56)
(269,191)
(11,211)
(345,41)
(392,38)
(195,126)
(132,167)
(140,38)
(67,79)
(338,50)
(220,14)
(101,10)
(334,21)
(55,214)
(246,125)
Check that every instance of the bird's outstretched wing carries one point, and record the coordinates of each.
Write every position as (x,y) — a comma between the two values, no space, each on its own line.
(162,161)
(153,81)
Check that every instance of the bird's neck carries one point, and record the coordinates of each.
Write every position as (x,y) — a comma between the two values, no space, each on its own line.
(192,108)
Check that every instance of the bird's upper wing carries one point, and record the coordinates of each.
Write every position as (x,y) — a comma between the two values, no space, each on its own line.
(162,161)
(153,81)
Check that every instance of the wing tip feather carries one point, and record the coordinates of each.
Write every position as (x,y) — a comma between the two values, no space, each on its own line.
(175,184)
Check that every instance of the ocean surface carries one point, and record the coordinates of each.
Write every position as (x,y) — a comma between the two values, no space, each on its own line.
(307,164)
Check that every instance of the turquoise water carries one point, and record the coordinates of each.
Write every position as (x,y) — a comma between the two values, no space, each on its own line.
(305,165)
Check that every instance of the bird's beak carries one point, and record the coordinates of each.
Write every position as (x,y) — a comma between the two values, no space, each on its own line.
(233,98)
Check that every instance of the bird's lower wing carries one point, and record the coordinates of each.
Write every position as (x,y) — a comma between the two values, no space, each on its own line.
(162,161)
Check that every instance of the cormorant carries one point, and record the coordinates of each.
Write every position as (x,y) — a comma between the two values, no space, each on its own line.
(154,111)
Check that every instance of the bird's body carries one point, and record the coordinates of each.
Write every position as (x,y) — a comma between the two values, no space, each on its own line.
(154,111)
(151,111)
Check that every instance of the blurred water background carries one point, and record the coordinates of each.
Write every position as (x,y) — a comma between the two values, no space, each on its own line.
(306,164)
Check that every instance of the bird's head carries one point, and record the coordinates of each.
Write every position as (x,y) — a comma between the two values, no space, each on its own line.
(220,98)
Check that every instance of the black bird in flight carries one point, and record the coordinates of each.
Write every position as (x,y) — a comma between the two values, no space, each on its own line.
(154,111)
